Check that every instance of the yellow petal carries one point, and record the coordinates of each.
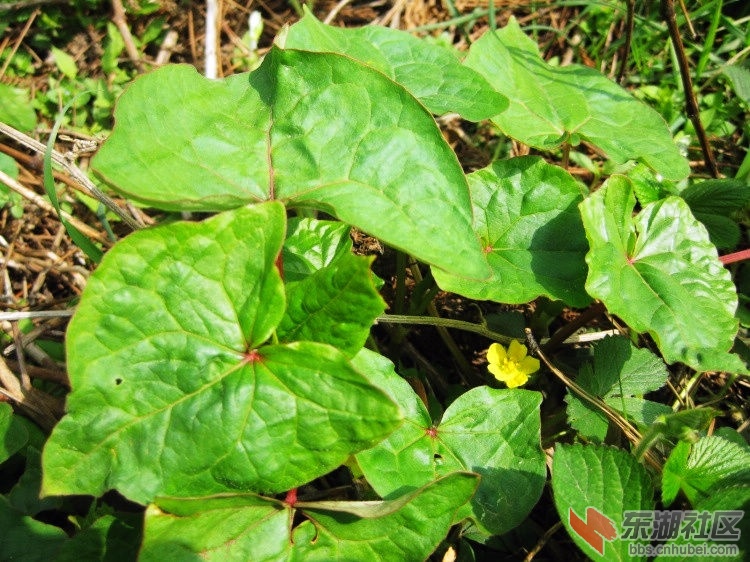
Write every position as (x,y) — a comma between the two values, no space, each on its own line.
(519,380)
(500,374)
(529,365)
(516,351)
(496,354)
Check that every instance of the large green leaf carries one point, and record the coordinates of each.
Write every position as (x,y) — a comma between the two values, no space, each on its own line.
(526,215)
(249,527)
(175,389)
(311,129)
(432,73)
(494,433)
(552,105)
(593,486)
(620,374)
(660,273)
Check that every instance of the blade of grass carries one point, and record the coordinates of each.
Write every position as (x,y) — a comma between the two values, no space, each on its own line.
(708,44)
(83,242)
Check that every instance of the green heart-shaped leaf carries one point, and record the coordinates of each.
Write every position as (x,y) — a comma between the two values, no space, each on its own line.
(175,390)
(494,433)
(526,215)
(660,273)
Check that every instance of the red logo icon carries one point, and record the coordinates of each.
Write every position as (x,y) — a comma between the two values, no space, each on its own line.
(594,529)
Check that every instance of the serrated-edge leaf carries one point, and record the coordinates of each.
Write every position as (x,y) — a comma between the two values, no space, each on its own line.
(714,462)
(606,480)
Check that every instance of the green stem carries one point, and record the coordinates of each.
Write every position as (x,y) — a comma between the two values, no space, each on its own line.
(297,7)
(437,321)
(455,13)
(400,294)
(465,370)
(685,396)
(708,43)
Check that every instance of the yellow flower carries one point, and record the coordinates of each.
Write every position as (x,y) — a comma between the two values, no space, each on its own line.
(513,366)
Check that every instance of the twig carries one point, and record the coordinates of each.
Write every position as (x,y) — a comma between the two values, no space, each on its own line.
(691,102)
(689,23)
(18,42)
(39,406)
(118,18)
(212,18)
(570,328)
(167,46)
(542,541)
(74,171)
(25,380)
(55,375)
(629,19)
(483,330)
(735,257)
(23,4)
(30,314)
(480,329)
(464,368)
(335,11)
(42,203)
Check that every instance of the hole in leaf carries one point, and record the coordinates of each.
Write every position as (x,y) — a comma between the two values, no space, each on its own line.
(437,457)
(118,381)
